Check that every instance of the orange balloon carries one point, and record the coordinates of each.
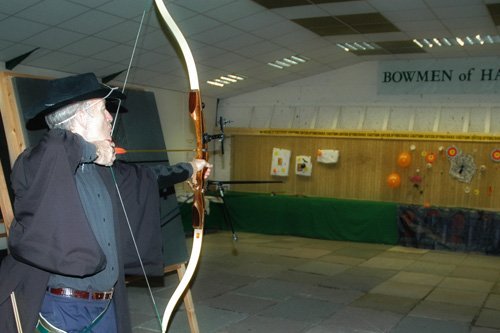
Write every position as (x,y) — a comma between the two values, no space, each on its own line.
(393,180)
(404,159)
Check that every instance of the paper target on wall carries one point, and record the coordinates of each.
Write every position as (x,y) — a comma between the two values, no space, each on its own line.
(280,163)
(463,168)
(452,152)
(327,156)
(303,165)
(495,155)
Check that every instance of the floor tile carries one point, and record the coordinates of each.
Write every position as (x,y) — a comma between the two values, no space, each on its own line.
(408,290)
(466,284)
(401,305)
(427,325)
(489,318)
(455,296)
(386,263)
(353,319)
(445,311)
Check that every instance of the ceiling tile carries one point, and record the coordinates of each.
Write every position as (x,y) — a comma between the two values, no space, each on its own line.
(120,53)
(53,60)
(12,7)
(126,8)
(325,26)
(349,7)
(238,41)
(461,12)
(52,12)
(368,23)
(86,65)
(391,5)
(89,46)
(414,15)
(9,50)
(270,4)
(494,11)
(234,11)
(91,22)
(10,29)
(122,32)
(46,38)
(197,24)
(215,35)
(257,48)
(202,6)
(301,12)
(258,21)
(91,3)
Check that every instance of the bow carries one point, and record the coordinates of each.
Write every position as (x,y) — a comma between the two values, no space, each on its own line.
(195,111)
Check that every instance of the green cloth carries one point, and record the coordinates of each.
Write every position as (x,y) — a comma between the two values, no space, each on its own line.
(323,218)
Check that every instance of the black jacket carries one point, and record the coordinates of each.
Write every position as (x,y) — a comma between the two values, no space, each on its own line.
(50,232)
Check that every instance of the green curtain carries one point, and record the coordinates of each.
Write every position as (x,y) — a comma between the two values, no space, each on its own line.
(323,218)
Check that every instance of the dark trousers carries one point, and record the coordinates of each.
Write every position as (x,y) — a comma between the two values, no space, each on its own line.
(74,315)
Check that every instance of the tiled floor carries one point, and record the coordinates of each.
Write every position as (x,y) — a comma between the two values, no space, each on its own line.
(286,284)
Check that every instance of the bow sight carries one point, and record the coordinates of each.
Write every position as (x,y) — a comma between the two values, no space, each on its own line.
(221,136)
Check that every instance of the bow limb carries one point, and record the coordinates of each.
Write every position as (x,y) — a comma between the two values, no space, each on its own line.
(195,110)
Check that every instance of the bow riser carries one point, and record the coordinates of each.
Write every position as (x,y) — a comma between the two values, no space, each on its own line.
(195,110)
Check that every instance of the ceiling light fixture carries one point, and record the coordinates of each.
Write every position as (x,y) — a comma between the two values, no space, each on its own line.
(288,62)
(477,40)
(224,80)
(358,46)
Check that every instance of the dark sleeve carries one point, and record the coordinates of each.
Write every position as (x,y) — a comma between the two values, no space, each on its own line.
(50,230)
(139,192)
(172,174)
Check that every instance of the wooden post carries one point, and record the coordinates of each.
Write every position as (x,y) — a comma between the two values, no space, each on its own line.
(5,204)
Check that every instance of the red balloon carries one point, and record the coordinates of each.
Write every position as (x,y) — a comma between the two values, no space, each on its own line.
(394,180)
(404,160)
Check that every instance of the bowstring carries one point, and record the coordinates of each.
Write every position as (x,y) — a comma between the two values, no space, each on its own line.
(113,173)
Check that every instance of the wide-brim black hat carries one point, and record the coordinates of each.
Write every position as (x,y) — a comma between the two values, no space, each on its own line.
(65,91)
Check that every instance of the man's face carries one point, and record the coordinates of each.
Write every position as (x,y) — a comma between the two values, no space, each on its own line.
(98,127)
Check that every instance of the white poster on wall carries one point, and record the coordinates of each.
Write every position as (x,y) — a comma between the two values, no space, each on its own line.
(280,163)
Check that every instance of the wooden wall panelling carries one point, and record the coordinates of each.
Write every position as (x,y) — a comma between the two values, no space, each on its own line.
(364,165)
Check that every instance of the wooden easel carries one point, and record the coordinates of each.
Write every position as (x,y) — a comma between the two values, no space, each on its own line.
(5,205)
(16,144)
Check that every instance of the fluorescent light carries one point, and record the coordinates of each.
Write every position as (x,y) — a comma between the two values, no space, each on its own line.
(368,46)
(446,41)
(299,59)
(436,41)
(225,78)
(232,76)
(343,47)
(290,61)
(418,43)
(282,63)
(215,83)
(275,65)
(359,46)
(460,41)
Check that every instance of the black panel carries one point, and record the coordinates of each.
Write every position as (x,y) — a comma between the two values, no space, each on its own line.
(137,128)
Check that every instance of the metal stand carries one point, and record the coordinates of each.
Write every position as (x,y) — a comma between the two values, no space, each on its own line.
(227,218)
(219,185)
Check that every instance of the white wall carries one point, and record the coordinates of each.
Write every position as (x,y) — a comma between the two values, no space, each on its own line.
(347,98)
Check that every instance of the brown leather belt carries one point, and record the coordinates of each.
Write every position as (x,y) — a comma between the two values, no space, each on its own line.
(69,292)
